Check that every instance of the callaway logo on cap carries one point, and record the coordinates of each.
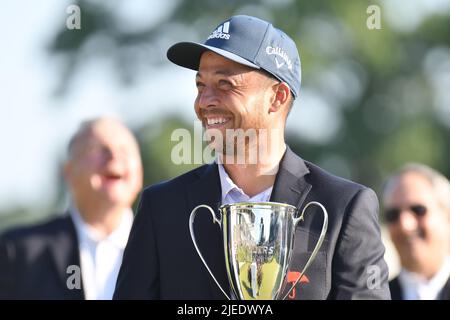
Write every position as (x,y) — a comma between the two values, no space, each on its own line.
(250,41)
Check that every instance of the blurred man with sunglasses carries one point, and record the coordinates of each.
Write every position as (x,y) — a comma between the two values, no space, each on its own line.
(417,212)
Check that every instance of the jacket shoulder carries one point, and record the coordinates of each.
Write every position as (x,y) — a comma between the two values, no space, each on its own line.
(176,184)
(321,176)
(50,227)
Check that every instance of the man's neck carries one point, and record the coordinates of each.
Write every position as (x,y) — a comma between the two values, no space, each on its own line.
(104,219)
(254,178)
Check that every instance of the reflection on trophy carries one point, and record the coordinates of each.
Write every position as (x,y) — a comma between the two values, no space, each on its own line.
(258,240)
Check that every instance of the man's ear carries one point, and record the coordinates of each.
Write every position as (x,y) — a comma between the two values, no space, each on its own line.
(67,171)
(282,93)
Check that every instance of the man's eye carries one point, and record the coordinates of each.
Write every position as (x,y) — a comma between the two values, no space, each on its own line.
(225,85)
(199,85)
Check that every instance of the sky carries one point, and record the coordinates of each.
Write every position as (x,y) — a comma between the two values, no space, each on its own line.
(35,126)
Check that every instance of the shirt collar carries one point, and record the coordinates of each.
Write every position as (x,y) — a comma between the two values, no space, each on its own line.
(228,186)
(422,286)
(87,234)
(226,183)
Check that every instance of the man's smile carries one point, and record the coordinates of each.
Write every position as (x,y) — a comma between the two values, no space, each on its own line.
(216,122)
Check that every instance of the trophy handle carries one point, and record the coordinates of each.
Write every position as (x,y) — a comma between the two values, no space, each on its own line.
(191,229)
(319,242)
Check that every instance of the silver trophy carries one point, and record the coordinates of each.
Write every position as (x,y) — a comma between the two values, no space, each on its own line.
(258,239)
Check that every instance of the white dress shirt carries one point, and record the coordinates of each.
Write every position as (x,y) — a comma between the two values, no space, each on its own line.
(416,287)
(101,258)
(231,193)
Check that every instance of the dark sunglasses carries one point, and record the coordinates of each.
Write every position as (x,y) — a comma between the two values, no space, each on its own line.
(391,215)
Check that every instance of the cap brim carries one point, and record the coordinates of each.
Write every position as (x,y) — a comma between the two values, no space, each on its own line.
(188,54)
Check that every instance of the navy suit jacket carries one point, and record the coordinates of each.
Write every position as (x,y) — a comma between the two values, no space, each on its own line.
(34,261)
(160,261)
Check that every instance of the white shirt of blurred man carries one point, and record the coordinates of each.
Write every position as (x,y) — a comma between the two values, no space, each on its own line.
(104,174)
(417,212)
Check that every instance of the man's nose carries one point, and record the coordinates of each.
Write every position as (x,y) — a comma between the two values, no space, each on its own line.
(407,221)
(207,98)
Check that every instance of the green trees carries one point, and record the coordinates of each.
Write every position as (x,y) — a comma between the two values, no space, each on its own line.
(384,92)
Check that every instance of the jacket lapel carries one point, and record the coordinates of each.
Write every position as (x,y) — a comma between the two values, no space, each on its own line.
(207,190)
(444,294)
(290,185)
(65,253)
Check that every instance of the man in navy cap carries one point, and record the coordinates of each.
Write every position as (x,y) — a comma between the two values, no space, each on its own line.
(248,75)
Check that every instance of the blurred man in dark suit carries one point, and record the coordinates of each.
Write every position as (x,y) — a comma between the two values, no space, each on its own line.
(417,212)
(78,255)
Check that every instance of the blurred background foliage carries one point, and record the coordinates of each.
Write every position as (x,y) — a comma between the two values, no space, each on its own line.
(380,97)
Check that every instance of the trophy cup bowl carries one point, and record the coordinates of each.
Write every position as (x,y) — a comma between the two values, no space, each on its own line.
(258,239)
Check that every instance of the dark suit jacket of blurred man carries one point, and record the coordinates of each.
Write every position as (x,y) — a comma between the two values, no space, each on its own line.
(160,261)
(34,261)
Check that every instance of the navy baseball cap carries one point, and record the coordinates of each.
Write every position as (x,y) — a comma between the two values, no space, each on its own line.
(249,41)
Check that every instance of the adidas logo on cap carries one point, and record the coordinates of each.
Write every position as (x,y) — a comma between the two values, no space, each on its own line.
(221,32)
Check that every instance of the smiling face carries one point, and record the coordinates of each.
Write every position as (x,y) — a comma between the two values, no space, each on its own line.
(234,96)
(421,237)
(104,165)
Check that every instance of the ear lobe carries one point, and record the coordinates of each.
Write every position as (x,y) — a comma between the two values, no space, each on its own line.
(281,96)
